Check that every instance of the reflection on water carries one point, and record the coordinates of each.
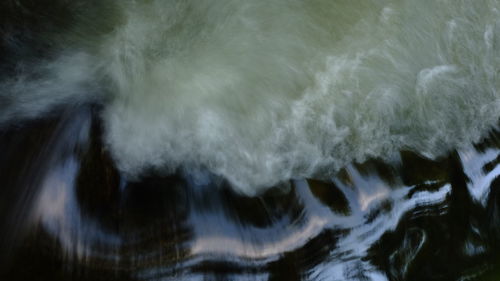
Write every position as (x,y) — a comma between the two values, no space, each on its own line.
(67,214)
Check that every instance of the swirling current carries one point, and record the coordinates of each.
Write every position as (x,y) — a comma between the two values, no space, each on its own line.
(249,140)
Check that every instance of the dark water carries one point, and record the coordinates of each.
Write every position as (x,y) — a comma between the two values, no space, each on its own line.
(68,213)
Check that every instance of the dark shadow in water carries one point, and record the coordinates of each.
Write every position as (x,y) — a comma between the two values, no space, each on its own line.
(66,213)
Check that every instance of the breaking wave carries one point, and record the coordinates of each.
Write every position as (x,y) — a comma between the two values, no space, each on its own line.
(258,92)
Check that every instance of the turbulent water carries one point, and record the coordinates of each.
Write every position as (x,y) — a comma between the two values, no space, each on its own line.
(260,91)
(67,214)
(249,140)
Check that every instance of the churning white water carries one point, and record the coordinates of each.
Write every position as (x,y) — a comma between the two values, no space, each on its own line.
(262,91)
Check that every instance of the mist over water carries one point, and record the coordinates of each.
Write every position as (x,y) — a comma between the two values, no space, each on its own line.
(249,140)
(259,92)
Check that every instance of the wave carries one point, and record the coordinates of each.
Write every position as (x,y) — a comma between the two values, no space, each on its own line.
(259,92)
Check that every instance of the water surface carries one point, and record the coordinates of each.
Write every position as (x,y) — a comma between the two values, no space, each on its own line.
(249,140)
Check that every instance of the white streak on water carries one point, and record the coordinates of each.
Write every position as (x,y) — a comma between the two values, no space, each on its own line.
(473,162)
(58,212)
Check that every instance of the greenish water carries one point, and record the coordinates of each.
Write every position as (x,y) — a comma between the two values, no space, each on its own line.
(249,140)
(260,92)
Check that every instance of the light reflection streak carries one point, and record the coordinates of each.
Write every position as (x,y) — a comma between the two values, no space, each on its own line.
(377,208)
(58,211)
(473,162)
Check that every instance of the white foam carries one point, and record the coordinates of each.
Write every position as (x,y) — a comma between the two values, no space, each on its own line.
(38,87)
(262,91)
